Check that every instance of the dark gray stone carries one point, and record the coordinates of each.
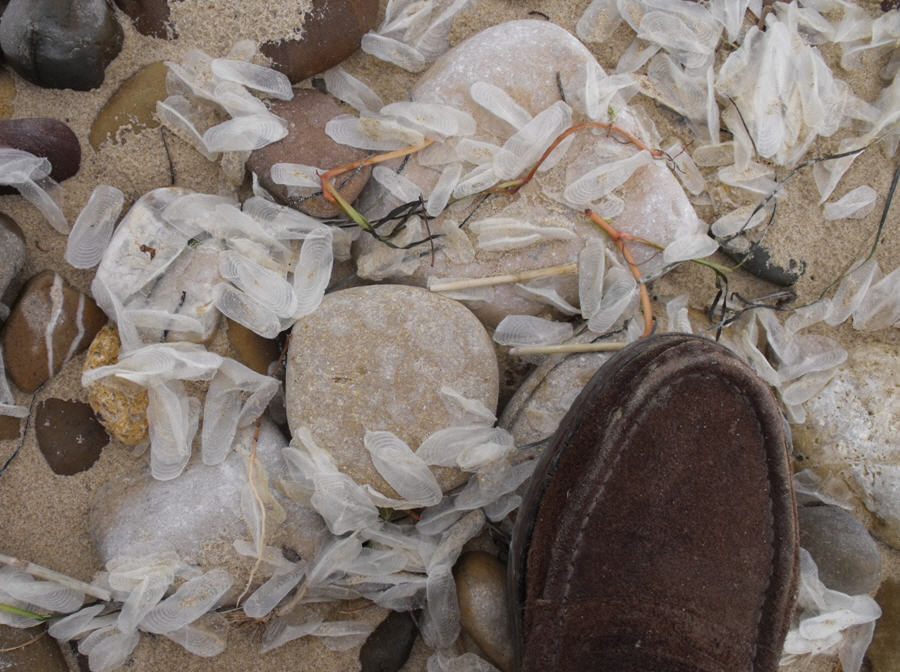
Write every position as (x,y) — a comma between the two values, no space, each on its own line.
(60,44)
(845,553)
(387,648)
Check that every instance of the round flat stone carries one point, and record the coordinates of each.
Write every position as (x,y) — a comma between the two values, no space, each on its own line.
(375,358)
(68,435)
(42,136)
(306,143)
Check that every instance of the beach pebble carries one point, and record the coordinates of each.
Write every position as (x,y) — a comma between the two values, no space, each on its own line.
(885,649)
(535,410)
(13,253)
(132,106)
(10,427)
(306,143)
(481,591)
(60,44)
(19,654)
(198,514)
(120,405)
(388,647)
(375,358)
(332,30)
(45,137)
(68,435)
(50,323)
(150,17)
(251,348)
(851,430)
(846,555)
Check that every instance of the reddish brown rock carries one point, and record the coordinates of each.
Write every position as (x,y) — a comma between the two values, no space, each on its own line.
(306,143)
(12,252)
(332,30)
(50,323)
(45,137)
(10,428)
(150,17)
(251,348)
(68,435)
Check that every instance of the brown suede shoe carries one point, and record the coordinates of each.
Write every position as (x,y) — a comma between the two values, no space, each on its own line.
(659,531)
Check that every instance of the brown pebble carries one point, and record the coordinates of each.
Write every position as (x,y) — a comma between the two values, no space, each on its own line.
(10,427)
(251,348)
(132,106)
(150,17)
(18,655)
(51,313)
(308,144)
(68,435)
(120,405)
(13,254)
(481,591)
(332,30)
(45,137)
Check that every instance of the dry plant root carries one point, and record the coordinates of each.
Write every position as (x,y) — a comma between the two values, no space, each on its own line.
(328,189)
(619,238)
(262,513)
(508,278)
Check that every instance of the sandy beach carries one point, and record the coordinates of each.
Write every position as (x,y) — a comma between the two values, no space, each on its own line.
(45,516)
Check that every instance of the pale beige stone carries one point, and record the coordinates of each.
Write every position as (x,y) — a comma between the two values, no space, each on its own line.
(375,358)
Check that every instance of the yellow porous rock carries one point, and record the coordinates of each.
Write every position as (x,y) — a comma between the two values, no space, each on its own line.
(120,405)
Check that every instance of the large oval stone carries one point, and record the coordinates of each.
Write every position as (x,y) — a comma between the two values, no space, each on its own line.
(306,143)
(375,358)
(60,44)
(49,324)
(150,17)
(332,30)
(387,648)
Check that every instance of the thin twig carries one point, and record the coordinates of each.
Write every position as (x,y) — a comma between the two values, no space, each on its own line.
(508,278)
(24,644)
(56,577)
(605,346)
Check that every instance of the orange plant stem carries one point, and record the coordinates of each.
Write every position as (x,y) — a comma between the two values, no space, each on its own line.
(368,161)
(619,239)
(655,153)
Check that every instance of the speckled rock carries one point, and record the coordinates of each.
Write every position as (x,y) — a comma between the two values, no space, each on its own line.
(387,648)
(120,405)
(375,358)
(49,324)
(60,44)
(68,435)
(481,591)
(251,348)
(41,656)
(332,30)
(198,514)
(13,254)
(852,430)
(885,649)
(132,106)
(306,143)
(535,63)
(45,137)
(150,17)
(846,555)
